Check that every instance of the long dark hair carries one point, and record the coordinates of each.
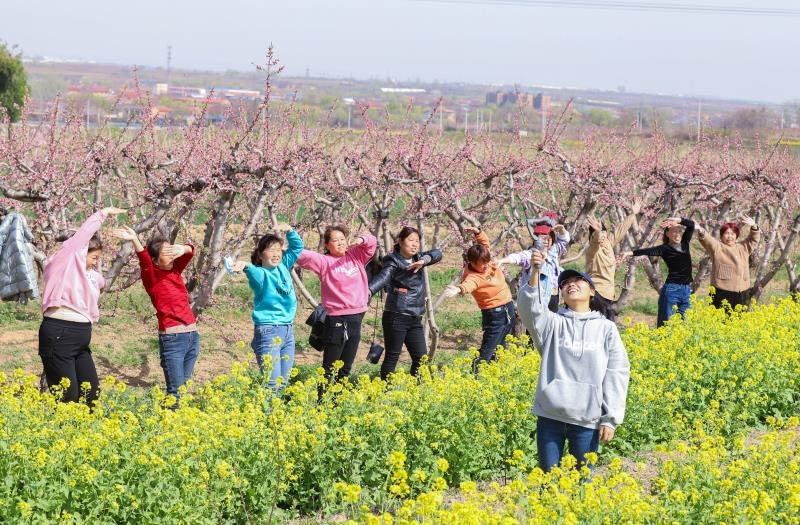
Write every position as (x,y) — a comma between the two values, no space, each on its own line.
(263,243)
(403,235)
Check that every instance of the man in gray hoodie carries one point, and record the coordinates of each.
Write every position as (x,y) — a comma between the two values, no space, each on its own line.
(584,374)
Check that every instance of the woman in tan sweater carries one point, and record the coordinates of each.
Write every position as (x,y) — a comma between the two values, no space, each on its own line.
(730,261)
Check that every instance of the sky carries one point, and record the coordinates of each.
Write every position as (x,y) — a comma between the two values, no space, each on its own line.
(521,42)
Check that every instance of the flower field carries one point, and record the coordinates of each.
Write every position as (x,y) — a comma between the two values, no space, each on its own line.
(449,448)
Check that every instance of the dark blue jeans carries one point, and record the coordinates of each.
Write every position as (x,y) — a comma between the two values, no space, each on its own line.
(276,343)
(672,295)
(551,436)
(178,354)
(497,323)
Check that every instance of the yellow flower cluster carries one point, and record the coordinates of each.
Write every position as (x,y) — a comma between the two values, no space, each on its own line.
(387,453)
(702,483)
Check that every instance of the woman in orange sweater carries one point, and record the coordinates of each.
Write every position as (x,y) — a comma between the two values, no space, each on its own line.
(484,279)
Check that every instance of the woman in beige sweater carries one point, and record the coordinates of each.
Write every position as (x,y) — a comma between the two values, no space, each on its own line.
(730,261)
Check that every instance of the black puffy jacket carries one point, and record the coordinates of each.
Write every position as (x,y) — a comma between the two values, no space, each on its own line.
(406,290)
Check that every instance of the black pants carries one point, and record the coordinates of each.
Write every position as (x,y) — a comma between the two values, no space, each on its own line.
(604,306)
(399,329)
(342,335)
(733,298)
(64,350)
(497,323)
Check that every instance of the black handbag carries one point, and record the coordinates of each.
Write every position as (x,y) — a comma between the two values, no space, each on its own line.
(317,323)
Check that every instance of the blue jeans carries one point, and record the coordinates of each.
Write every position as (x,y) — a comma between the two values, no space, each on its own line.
(178,354)
(671,295)
(277,342)
(550,438)
(497,323)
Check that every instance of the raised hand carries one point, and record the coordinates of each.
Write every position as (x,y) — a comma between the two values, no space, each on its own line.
(744,219)
(282,227)
(624,256)
(537,258)
(415,266)
(173,250)
(238,266)
(594,223)
(450,291)
(636,207)
(671,222)
(472,230)
(125,233)
(111,210)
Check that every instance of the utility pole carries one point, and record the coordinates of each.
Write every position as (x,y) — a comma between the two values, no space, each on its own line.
(699,107)
(441,122)
(466,119)
(169,64)
(544,121)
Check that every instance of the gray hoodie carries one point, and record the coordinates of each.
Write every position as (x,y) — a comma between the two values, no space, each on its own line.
(583,379)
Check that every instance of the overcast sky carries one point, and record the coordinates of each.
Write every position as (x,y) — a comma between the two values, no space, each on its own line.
(731,56)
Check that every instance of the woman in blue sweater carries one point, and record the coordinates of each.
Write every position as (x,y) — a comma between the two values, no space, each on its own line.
(274,301)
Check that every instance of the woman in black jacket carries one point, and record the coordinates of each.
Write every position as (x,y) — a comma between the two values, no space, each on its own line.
(677,289)
(405,302)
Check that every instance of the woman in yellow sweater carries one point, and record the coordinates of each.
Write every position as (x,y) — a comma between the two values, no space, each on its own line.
(730,261)
(485,280)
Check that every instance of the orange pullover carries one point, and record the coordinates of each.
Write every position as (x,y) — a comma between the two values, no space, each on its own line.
(489,288)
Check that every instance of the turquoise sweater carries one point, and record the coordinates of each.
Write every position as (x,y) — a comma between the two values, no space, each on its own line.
(274,301)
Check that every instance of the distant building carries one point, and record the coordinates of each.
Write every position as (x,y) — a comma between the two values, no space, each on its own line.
(527,100)
(237,94)
(498,98)
(186,92)
(541,101)
(401,90)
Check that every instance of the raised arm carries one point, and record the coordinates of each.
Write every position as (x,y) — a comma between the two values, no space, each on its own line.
(622,229)
(182,261)
(311,261)
(522,258)
(81,237)
(365,250)
(295,248)
(384,277)
(707,240)
(559,248)
(753,237)
(652,251)
(688,231)
(533,311)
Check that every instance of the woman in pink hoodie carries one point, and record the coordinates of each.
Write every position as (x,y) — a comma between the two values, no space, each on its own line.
(345,293)
(72,287)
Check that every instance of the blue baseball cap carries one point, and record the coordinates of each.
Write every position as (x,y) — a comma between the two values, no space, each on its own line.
(569,274)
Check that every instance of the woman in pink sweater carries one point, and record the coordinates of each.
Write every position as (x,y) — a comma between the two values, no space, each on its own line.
(72,287)
(345,293)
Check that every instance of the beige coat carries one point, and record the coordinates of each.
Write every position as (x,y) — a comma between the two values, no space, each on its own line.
(730,265)
(601,262)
